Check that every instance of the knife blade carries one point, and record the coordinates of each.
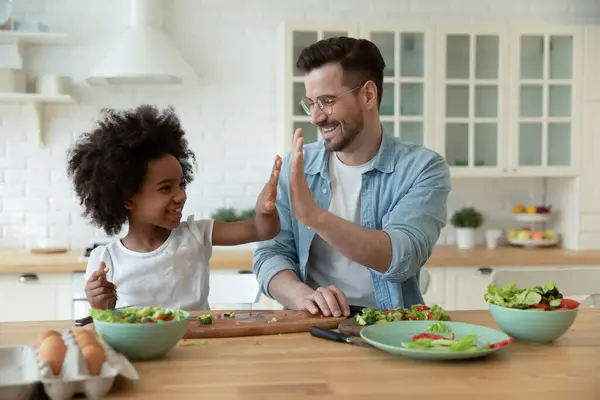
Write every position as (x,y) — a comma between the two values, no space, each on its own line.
(355,310)
(337,337)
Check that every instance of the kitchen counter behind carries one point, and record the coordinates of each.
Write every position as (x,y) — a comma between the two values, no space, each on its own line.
(20,261)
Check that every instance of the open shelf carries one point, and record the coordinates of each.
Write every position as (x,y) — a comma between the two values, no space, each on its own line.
(38,101)
(9,37)
(35,98)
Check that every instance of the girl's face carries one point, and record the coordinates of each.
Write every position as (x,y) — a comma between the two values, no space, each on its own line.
(161,198)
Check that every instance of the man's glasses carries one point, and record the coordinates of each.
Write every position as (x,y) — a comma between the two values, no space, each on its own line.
(325,103)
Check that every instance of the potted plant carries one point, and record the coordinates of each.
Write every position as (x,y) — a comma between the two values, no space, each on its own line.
(466,221)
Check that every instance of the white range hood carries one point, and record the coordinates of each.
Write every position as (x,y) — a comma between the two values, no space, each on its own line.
(143,55)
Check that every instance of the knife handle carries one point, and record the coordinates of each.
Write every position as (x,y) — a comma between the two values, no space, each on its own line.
(327,334)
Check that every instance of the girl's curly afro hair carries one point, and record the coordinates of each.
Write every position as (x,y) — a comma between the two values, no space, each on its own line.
(109,164)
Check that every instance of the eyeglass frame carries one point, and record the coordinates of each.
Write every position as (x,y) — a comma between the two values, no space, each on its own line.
(331,103)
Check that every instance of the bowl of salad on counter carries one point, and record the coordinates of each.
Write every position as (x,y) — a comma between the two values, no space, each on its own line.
(540,314)
(141,333)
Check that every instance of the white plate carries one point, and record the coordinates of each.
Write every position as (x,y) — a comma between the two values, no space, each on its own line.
(533,243)
(533,217)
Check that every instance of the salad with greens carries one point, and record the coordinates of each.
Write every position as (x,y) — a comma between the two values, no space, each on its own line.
(440,338)
(417,312)
(546,297)
(138,315)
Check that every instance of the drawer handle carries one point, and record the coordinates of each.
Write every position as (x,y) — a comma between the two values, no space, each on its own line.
(484,271)
(245,272)
(28,278)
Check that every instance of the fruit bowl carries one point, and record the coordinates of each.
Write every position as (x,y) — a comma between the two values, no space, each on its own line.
(533,242)
(533,325)
(528,238)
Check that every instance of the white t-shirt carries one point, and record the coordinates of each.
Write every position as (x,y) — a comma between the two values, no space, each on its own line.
(326,266)
(176,275)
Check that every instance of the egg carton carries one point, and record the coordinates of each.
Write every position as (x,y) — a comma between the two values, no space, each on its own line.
(22,369)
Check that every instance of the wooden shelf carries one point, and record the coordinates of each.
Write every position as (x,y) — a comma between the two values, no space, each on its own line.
(35,98)
(9,37)
(38,101)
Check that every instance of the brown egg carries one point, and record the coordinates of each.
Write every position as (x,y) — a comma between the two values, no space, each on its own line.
(85,342)
(44,335)
(53,350)
(94,357)
(85,339)
(81,331)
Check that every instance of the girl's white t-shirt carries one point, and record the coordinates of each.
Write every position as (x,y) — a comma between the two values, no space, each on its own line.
(176,275)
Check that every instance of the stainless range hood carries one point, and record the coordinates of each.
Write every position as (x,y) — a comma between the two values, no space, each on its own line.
(143,55)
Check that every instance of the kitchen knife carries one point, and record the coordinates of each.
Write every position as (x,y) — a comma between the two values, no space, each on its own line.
(356,310)
(337,337)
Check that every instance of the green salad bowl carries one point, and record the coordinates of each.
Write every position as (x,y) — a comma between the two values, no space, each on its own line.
(533,325)
(143,341)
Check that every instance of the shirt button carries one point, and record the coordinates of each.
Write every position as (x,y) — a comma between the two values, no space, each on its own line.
(324,191)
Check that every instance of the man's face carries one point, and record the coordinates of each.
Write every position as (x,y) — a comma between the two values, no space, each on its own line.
(342,120)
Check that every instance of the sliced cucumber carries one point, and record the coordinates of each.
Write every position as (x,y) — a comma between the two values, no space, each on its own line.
(555,303)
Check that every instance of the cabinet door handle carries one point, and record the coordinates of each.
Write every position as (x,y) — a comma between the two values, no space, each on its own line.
(28,278)
(484,271)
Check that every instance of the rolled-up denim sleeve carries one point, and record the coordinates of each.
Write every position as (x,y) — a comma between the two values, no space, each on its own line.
(278,254)
(415,222)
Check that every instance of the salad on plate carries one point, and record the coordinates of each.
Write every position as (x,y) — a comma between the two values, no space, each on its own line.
(546,297)
(440,338)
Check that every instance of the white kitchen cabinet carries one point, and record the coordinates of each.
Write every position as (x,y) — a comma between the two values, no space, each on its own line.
(35,297)
(511,100)
(435,293)
(546,100)
(495,101)
(472,117)
(237,289)
(408,92)
(465,287)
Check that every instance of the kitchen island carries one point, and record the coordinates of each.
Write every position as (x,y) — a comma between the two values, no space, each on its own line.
(298,366)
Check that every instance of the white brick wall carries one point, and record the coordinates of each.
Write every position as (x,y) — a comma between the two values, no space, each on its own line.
(232,115)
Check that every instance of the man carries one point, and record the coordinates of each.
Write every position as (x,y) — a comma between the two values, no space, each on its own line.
(360,211)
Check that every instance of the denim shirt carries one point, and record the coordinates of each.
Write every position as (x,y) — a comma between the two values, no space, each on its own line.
(404,193)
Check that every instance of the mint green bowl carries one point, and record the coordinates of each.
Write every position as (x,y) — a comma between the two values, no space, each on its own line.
(531,325)
(143,342)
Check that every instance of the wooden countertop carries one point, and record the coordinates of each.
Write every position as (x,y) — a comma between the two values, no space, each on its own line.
(298,366)
(20,261)
(448,256)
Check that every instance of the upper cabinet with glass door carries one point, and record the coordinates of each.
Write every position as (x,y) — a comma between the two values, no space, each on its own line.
(298,36)
(471,117)
(547,83)
(408,51)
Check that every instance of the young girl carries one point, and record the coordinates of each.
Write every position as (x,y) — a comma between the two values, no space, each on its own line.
(133,169)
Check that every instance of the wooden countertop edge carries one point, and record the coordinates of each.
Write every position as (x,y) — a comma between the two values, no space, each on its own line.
(21,261)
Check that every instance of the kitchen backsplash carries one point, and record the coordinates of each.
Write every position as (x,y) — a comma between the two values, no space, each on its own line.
(231,117)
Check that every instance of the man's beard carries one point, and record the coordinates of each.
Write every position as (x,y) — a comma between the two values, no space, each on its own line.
(348,132)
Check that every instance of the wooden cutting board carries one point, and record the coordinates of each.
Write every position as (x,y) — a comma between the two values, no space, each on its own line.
(350,327)
(257,322)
